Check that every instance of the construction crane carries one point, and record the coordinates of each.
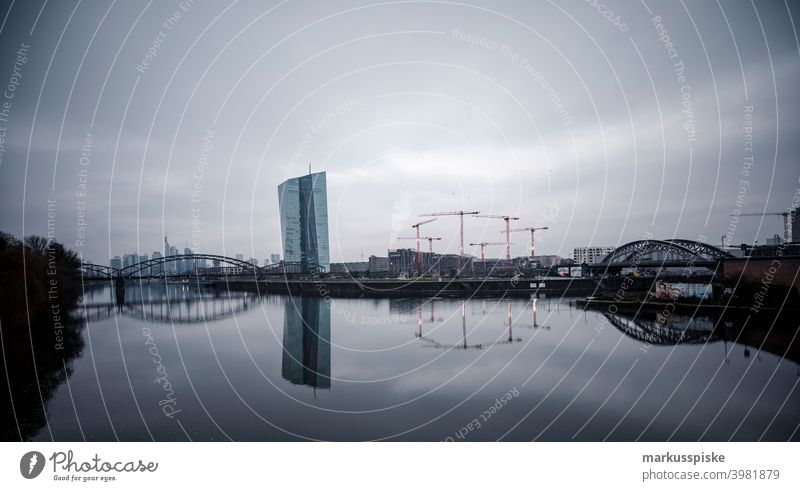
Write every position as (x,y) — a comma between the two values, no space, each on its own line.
(483,244)
(788,219)
(508,235)
(419,254)
(429,239)
(460,214)
(533,239)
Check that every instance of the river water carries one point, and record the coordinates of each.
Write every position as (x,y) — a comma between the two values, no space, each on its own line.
(181,363)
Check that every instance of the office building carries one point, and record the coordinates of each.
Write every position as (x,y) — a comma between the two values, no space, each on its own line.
(275,258)
(591,255)
(303,203)
(495,267)
(378,264)
(129,260)
(451,264)
(357,267)
(170,250)
(156,268)
(402,262)
(116,262)
(188,264)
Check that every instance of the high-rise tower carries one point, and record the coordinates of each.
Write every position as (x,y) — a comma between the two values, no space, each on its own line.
(303,203)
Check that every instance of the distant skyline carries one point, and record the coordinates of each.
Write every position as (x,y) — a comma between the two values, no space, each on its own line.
(129,120)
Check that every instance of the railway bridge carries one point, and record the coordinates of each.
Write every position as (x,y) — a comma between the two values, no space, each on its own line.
(159,268)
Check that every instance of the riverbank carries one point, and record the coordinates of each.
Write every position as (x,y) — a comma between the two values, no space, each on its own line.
(417,287)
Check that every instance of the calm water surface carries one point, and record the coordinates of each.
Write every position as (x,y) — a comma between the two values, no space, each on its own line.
(178,363)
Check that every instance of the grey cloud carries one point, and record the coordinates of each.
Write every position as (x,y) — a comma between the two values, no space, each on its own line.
(450,95)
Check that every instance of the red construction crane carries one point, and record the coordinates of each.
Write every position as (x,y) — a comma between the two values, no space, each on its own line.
(429,239)
(507,219)
(483,244)
(419,254)
(460,214)
(533,239)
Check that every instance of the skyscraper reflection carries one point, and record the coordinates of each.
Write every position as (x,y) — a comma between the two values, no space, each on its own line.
(306,342)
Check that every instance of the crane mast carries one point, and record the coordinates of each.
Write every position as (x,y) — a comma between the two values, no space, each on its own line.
(508,235)
(533,240)
(460,214)
(419,253)
(484,244)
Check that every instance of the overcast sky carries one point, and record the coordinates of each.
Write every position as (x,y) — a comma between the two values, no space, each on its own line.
(582,116)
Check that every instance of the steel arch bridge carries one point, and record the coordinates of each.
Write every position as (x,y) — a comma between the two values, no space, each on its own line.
(98,270)
(135,270)
(684,249)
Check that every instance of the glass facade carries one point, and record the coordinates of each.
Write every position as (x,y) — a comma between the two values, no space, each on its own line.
(307,342)
(303,203)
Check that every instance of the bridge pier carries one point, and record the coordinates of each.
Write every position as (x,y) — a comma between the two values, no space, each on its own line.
(119,291)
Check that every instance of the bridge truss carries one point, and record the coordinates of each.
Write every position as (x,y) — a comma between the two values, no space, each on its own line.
(680,249)
(145,269)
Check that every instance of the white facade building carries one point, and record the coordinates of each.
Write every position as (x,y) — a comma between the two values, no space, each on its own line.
(590,255)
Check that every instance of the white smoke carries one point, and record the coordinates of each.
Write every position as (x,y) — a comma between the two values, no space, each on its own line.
(400,215)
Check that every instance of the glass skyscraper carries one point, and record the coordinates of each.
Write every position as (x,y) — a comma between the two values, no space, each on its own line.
(303,205)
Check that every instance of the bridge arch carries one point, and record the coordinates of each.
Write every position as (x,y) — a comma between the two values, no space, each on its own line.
(684,248)
(132,270)
(89,269)
(135,270)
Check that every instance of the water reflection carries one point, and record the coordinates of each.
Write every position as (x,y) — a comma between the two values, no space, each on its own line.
(677,330)
(534,302)
(37,360)
(776,336)
(307,342)
(409,368)
(430,342)
(170,303)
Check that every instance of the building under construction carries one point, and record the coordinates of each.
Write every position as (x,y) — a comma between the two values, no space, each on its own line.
(403,262)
